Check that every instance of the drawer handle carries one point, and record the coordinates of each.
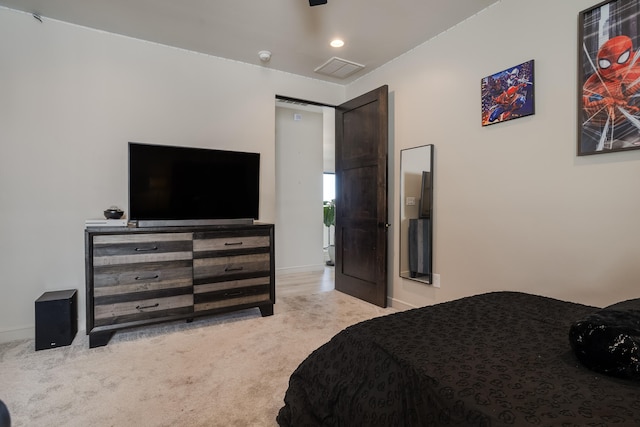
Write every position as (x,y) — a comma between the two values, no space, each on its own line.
(152,248)
(234,268)
(142,307)
(147,277)
(233,294)
(233,244)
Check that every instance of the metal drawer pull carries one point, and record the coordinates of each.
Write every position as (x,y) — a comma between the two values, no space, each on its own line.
(233,294)
(233,268)
(152,248)
(142,307)
(233,243)
(147,277)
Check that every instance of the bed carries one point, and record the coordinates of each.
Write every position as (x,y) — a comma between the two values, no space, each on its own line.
(495,359)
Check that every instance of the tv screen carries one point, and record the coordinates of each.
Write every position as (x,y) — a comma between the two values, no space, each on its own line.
(183,184)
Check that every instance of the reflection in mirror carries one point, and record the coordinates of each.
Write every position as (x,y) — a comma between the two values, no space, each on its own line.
(416,213)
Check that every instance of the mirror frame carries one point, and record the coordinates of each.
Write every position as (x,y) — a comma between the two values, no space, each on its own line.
(404,238)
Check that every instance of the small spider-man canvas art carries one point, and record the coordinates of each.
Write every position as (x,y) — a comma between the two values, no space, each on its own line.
(609,78)
(508,94)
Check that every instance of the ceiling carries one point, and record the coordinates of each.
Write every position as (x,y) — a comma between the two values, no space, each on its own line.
(296,34)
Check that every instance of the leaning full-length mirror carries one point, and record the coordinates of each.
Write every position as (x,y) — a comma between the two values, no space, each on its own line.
(416,213)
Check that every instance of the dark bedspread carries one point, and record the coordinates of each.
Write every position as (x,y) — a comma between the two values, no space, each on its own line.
(494,359)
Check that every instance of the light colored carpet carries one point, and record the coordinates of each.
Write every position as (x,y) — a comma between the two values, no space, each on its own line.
(225,370)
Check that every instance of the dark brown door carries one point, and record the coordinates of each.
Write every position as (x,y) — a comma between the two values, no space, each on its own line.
(361,205)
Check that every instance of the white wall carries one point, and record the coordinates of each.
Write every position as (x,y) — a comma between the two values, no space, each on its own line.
(299,159)
(515,209)
(71,99)
(329,139)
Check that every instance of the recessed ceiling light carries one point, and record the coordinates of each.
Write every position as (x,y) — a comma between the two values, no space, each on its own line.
(337,43)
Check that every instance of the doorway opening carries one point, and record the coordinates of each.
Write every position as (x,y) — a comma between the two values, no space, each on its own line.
(305,180)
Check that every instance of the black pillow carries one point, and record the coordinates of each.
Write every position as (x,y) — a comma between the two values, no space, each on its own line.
(608,342)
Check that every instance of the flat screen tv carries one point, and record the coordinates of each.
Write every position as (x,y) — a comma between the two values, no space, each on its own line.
(171,185)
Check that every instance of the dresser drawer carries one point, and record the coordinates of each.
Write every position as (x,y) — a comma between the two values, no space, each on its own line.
(231,285)
(230,243)
(232,302)
(110,313)
(119,279)
(141,248)
(213,296)
(227,266)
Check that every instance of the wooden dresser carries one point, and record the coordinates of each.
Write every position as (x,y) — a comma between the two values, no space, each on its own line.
(139,276)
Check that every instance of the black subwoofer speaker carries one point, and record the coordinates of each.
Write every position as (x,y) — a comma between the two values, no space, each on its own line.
(56,319)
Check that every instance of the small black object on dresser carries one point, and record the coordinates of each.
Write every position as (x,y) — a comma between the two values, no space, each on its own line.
(113,212)
(56,319)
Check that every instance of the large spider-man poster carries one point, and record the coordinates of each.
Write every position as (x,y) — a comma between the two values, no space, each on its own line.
(507,94)
(609,78)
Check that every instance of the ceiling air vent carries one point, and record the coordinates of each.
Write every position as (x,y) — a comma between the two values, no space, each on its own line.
(339,68)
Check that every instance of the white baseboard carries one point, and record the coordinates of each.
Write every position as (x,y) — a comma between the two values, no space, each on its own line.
(17,334)
(400,305)
(300,269)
